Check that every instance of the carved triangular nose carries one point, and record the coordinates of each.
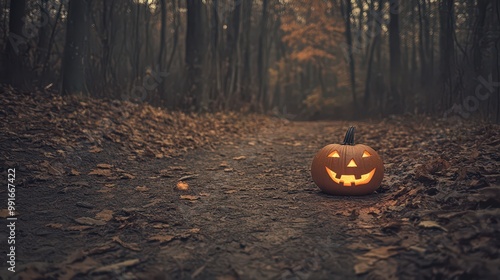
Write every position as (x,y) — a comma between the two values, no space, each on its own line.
(352,163)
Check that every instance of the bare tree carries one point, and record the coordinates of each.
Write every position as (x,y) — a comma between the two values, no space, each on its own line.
(16,45)
(75,48)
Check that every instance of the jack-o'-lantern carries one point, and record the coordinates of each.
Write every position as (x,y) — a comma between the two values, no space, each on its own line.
(347,169)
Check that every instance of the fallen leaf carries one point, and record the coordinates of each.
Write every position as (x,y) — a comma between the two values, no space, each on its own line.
(176,168)
(117,266)
(105,215)
(99,250)
(127,176)
(74,172)
(182,186)
(78,228)
(90,221)
(382,252)
(131,246)
(162,238)
(189,197)
(230,191)
(104,166)
(95,149)
(240,158)
(194,230)
(228,169)
(4,213)
(431,224)
(161,225)
(101,172)
(54,225)
(142,188)
(165,173)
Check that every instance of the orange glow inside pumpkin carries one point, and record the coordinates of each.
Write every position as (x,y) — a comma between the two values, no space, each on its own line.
(350,180)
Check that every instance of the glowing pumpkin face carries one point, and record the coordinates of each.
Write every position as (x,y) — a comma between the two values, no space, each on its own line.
(347,169)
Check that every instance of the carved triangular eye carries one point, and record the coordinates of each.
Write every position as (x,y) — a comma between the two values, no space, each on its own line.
(334,154)
(366,154)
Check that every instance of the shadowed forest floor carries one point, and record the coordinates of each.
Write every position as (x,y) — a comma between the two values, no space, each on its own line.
(108,189)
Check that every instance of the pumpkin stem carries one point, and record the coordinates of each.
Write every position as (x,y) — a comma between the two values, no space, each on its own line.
(349,136)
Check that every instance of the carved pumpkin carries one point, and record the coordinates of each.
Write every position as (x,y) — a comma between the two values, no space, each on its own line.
(347,169)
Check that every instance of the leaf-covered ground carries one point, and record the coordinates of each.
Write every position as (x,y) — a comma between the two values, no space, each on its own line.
(109,189)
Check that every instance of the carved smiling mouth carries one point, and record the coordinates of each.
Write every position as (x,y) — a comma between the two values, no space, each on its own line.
(350,180)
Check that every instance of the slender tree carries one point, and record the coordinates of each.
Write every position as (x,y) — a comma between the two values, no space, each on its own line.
(16,45)
(395,57)
(75,56)
(195,53)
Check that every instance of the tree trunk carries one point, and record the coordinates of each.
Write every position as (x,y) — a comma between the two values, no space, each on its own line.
(446,48)
(75,48)
(246,30)
(163,34)
(195,52)
(394,104)
(346,13)
(16,45)
(261,71)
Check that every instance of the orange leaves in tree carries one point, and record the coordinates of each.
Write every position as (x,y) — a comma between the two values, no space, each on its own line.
(311,30)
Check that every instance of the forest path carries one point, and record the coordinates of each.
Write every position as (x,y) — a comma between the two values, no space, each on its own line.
(251,211)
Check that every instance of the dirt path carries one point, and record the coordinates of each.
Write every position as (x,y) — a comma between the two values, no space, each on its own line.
(251,211)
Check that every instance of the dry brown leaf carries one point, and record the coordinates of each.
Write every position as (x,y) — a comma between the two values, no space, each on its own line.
(142,189)
(431,224)
(78,228)
(240,158)
(101,172)
(189,197)
(382,252)
(162,238)
(176,168)
(90,221)
(74,172)
(194,230)
(104,166)
(165,173)
(182,186)
(127,176)
(95,149)
(161,225)
(54,225)
(131,246)
(117,266)
(105,215)
(230,191)
(4,213)
(99,250)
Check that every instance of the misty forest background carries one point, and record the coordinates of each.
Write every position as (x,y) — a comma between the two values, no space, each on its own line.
(293,58)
